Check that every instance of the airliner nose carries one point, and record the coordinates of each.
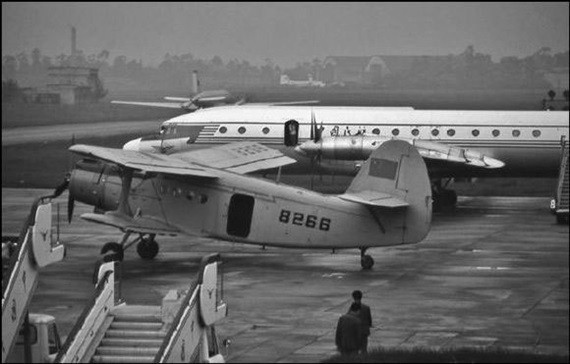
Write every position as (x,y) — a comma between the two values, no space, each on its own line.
(132,144)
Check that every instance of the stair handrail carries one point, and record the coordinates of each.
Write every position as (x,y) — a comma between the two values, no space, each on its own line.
(188,303)
(99,289)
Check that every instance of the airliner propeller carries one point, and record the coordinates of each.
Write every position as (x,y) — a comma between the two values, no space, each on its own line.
(315,137)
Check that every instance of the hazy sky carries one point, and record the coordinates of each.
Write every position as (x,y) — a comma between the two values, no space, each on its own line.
(285,32)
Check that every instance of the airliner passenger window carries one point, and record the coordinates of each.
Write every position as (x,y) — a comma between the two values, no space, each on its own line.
(395,132)
(223,130)
(376,131)
(415,132)
(516,133)
(435,132)
(451,132)
(475,132)
(496,133)
(241,130)
(536,133)
(265,130)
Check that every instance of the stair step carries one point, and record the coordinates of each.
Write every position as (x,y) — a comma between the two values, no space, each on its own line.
(131,325)
(122,359)
(117,341)
(126,351)
(134,334)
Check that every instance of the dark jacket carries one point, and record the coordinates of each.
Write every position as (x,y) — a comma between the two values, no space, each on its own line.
(348,333)
(366,318)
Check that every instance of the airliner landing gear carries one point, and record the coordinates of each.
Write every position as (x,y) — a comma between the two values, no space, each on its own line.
(443,197)
(366,260)
(147,248)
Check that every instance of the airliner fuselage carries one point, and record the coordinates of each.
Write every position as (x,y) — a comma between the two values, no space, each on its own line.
(528,142)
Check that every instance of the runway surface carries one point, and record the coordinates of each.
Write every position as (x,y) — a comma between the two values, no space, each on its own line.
(493,272)
(32,134)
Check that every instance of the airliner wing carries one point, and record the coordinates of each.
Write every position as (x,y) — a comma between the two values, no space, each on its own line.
(168,105)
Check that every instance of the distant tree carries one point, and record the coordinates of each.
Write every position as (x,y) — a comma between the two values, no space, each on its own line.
(565,93)
(10,90)
(217,61)
(23,62)
(120,65)
(36,59)
(551,94)
(9,66)
(46,62)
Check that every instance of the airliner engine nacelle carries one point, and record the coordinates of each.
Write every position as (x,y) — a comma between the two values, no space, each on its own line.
(359,148)
(96,184)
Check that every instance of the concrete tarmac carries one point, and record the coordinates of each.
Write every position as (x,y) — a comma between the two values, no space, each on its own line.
(65,132)
(492,272)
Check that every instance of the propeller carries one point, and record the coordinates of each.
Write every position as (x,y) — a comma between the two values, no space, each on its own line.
(315,137)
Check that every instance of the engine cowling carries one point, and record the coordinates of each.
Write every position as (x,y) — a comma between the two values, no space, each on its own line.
(95,183)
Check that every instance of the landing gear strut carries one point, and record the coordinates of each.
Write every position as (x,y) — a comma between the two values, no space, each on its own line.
(366,260)
(147,247)
(443,197)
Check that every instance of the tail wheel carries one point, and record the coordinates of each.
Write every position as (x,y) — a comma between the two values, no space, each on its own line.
(147,248)
(114,247)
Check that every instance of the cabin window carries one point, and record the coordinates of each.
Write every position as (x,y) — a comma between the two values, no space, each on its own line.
(475,132)
(451,132)
(203,198)
(241,130)
(395,131)
(496,132)
(435,132)
(291,134)
(376,131)
(265,130)
(240,213)
(223,129)
(536,133)
(415,132)
(516,133)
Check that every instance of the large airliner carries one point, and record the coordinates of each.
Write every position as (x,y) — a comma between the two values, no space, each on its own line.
(528,143)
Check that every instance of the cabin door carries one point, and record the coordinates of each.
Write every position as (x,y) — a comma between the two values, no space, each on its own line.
(291,135)
(240,212)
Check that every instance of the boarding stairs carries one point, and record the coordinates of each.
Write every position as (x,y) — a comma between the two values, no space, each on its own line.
(110,331)
(134,336)
(20,273)
(562,193)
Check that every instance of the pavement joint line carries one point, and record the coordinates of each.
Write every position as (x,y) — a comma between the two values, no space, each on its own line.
(559,285)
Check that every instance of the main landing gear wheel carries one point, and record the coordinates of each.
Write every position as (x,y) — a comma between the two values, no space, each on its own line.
(118,253)
(147,248)
(366,260)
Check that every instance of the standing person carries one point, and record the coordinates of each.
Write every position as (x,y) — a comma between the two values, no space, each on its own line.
(349,332)
(365,318)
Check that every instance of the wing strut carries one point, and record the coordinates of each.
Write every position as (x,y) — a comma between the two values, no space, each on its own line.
(126,180)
